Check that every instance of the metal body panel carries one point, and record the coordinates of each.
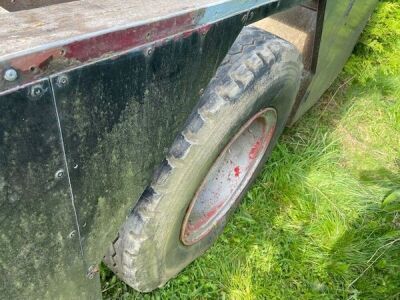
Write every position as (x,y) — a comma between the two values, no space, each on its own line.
(39,242)
(39,49)
(342,25)
(119,118)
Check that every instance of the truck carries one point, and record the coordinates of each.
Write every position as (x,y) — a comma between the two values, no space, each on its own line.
(130,130)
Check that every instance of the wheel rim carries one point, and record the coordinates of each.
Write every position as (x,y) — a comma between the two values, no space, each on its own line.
(228,176)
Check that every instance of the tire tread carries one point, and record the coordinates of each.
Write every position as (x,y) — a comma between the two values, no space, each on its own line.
(253,52)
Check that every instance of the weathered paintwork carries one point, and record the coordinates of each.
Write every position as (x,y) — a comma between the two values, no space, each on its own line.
(117,116)
(39,240)
(110,106)
(343,23)
(228,176)
(16,5)
(56,57)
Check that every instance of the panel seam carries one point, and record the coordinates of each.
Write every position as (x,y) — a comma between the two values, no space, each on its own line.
(67,168)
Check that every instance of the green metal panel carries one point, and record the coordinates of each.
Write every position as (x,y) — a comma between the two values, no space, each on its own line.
(343,23)
(119,118)
(39,240)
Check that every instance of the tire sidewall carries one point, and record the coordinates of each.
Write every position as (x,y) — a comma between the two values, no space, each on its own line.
(219,130)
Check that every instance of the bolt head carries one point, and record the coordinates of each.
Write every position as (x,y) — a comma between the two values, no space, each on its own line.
(10,74)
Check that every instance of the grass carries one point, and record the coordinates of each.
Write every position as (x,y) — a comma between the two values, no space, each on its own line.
(313,226)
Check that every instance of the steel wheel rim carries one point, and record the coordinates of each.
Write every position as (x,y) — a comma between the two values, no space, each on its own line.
(228,176)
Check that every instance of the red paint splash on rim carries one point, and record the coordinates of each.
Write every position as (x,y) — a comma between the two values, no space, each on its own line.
(237,171)
(204,219)
(255,150)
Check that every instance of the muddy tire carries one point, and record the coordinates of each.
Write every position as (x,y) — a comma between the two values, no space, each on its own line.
(260,73)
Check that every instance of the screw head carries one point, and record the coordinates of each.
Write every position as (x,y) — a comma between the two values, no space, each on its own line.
(62,81)
(10,74)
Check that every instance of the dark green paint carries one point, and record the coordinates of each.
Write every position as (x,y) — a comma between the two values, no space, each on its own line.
(39,243)
(119,118)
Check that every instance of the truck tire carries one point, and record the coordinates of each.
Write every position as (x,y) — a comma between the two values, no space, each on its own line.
(211,163)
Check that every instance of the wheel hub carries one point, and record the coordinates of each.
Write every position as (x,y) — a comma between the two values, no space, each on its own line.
(228,177)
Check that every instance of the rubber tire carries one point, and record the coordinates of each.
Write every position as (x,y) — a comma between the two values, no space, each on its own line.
(260,70)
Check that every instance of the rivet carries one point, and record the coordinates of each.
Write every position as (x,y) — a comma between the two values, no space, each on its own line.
(149,51)
(34,69)
(10,74)
(37,91)
(59,174)
(71,234)
(148,36)
(62,81)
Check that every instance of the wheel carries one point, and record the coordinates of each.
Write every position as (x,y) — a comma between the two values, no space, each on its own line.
(211,164)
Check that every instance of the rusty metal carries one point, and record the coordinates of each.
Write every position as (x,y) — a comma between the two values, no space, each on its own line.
(228,177)
(90,106)
(53,58)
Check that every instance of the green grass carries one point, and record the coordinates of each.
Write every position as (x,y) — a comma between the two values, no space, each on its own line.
(313,226)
